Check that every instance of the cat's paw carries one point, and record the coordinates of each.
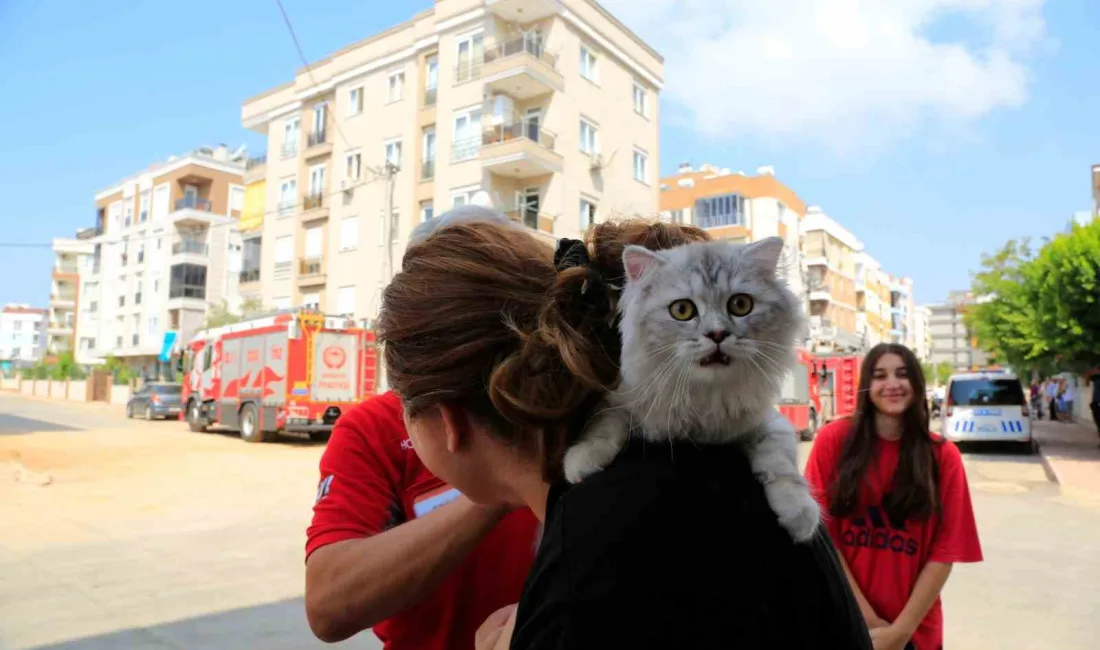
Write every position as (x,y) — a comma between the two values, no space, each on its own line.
(584,460)
(796,508)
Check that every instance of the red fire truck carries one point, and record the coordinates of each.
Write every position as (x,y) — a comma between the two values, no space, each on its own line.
(839,382)
(800,399)
(293,371)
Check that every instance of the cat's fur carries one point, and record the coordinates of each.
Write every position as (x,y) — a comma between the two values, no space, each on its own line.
(673,388)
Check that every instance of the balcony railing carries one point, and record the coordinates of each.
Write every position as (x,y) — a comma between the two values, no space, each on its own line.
(521,46)
(286,208)
(197,291)
(315,138)
(427,169)
(468,71)
(526,215)
(193,203)
(256,161)
(465,149)
(430,96)
(312,201)
(290,149)
(191,247)
(310,266)
(250,275)
(519,129)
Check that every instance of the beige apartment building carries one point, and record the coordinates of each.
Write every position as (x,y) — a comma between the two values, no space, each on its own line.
(72,257)
(549,106)
(830,252)
(733,206)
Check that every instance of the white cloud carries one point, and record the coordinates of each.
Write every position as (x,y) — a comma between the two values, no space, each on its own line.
(847,74)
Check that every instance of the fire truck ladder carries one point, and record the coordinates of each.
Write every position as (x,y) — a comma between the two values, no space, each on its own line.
(311,323)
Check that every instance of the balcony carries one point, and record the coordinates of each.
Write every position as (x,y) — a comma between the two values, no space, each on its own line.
(187,296)
(190,247)
(63,299)
(59,329)
(519,150)
(255,169)
(522,11)
(311,271)
(468,71)
(521,68)
(532,218)
(65,271)
(290,148)
(318,144)
(249,275)
(314,207)
(193,203)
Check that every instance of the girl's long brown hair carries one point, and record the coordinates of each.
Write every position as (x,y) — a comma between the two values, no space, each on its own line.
(914,490)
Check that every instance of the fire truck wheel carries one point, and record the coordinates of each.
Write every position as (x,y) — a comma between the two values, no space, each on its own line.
(194,417)
(250,429)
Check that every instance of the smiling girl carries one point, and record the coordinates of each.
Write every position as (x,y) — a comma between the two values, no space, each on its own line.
(897,500)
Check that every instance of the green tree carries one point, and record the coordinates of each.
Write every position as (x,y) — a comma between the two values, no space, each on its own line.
(929,371)
(944,370)
(1004,320)
(219,313)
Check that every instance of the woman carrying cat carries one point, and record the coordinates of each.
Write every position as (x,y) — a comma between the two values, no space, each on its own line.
(899,502)
(501,351)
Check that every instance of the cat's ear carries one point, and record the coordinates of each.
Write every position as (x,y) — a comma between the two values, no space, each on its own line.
(638,260)
(765,253)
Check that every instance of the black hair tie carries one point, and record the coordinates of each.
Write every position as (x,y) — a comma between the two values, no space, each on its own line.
(570,253)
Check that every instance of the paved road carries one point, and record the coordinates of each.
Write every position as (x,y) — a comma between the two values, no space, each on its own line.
(129,534)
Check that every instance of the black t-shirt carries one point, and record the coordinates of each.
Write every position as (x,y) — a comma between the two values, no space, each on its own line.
(675,547)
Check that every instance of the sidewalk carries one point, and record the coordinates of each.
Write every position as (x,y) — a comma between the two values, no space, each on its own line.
(1072,452)
(104,406)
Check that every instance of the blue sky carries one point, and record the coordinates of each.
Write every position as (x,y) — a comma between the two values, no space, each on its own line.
(934,130)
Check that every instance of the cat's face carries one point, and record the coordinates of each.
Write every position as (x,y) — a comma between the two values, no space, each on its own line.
(709,312)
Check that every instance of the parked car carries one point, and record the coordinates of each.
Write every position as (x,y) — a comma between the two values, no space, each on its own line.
(987,407)
(155,400)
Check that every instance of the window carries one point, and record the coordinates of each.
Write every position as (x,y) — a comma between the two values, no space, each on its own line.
(154,326)
(352,165)
(128,212)
(471,54)
(317,180)
(236,198)
(395,88)
(188,281)
(467,138)
(290,137)
(464,196)
(590,138)
(431,80)
(724,210)
(319,113)
(312,299)
(589,69)
(355,101)
(428,155)
(395,227)
(280,303)
(143,206)
(314,243)
(427,210)
(141,253)
(588,213)
(284,249)
(349,233)
(641,103)
(393,153)
(345,300)
(641,166)
(676,216)
(288,196)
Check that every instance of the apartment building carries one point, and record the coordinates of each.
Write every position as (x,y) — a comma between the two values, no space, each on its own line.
(735,207)
(830,253)
(548,106)
(922,335)
(22,335)
(951,340)
(251,225)
(167,247)
(901,311)
(872,286)
(72,256)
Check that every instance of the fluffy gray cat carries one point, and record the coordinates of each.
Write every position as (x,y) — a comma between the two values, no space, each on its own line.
(709,330)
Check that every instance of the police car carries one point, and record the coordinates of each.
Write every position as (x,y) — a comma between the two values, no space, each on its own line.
(986,407)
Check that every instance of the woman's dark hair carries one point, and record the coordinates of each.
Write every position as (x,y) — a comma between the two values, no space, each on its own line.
(481,317)
(913,494)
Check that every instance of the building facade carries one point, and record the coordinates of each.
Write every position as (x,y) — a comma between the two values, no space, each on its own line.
(72,257)
(830,252)
(549,106)
(167,248)
(22,335)
(922,335)
(733,206)
(951,340)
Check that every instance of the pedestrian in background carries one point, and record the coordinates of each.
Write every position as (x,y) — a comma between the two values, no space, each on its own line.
(1052,398)
(898,501)
(1066,399)
(1094,402)
(1036,399)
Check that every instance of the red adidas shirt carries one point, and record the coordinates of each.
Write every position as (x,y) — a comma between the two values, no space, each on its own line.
(886,557)
(371,481)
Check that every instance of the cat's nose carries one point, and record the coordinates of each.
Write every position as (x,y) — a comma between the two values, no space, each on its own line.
(717,335)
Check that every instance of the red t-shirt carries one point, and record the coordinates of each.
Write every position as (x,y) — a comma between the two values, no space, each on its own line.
(886,557)
(371,481)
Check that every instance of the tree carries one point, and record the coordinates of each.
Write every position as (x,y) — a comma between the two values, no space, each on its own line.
(929,371)
(944,370)
(1041,311)
(219,313)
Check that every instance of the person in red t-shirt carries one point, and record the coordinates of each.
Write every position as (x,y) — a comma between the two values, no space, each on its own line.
(897,502)
(394,548)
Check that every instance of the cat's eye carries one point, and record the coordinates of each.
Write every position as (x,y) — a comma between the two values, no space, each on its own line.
(682,309)
(740,304)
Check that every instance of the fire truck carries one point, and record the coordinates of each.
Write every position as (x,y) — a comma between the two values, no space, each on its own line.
(839,385)
(800,399)
(293,371)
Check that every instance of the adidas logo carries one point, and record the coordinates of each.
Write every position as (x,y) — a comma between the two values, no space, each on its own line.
(880,534)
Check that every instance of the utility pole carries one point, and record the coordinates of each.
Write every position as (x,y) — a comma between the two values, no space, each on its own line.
(389,170)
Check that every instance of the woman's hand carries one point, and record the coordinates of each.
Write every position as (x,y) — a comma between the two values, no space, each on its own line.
(875,622)
(890,637)
(496,632)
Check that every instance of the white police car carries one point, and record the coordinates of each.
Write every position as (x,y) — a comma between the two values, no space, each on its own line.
(986,407)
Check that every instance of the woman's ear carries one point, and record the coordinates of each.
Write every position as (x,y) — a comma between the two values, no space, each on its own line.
(455,426)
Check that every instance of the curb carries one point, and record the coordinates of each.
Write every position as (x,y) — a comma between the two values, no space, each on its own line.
(1048,466)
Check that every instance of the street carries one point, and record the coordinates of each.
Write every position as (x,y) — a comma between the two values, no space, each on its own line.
(130,534)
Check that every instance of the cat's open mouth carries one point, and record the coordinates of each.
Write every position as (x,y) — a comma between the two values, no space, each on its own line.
(715,358)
